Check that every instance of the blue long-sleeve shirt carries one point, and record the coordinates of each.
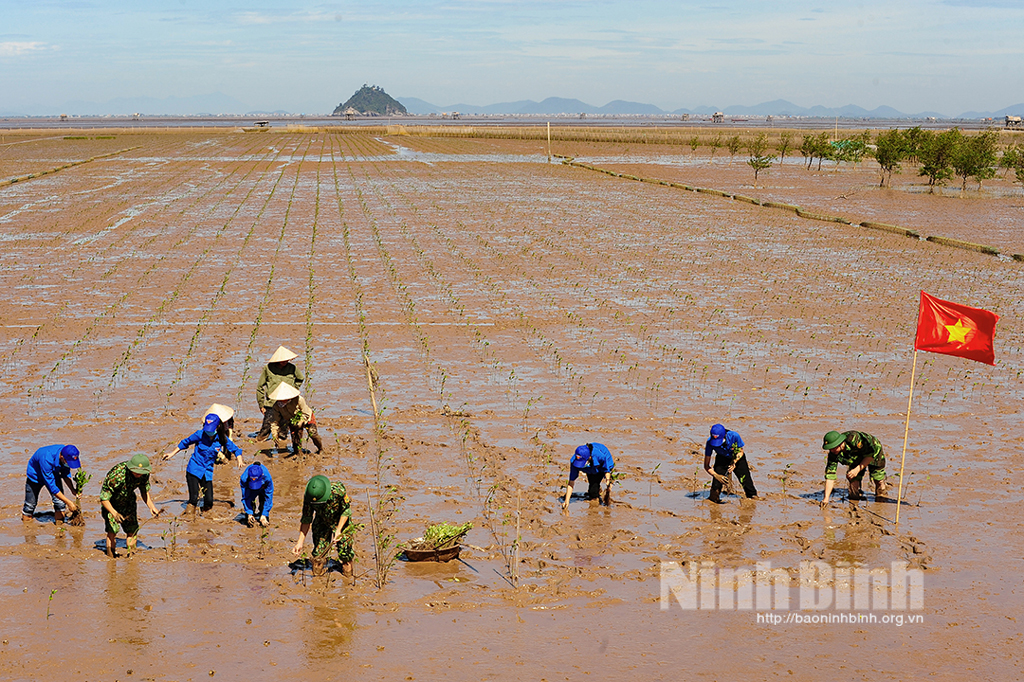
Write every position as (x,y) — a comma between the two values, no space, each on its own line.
(200,464)
(249,495)
(728,449)
(45,466)
(601,462)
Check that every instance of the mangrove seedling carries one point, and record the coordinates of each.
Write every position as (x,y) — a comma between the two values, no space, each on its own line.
(52,592)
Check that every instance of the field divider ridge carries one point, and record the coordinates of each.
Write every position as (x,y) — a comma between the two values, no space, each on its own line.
(801,213)
(51,171)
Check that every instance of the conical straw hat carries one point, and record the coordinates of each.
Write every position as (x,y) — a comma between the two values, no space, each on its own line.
(282,354)
(223,411)
(284,392)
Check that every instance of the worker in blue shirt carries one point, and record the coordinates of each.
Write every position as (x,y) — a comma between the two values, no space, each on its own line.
(50,466)
(257,494)
(199,472)
(596,462)
(727,446)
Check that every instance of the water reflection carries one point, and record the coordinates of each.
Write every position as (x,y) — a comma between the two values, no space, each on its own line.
(329,628)
(727,529)
(128,618)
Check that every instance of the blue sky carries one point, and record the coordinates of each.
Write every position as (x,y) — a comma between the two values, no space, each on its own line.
(914,55)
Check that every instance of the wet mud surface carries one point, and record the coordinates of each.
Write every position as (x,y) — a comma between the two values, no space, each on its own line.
(513,310)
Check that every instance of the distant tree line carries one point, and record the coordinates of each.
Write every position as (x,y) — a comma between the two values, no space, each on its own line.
(939,156)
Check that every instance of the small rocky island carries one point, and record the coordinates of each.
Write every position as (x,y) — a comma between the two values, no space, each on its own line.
(370,100)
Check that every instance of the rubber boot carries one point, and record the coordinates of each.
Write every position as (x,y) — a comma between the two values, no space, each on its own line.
(881,488)
(296,440)
(315,437)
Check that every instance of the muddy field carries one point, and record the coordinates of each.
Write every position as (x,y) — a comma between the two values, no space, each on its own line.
(513,309)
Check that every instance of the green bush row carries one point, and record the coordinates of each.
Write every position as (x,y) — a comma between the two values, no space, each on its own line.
(895,229)
(960,244)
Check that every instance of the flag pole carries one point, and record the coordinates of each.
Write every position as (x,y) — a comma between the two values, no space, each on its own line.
(906,434)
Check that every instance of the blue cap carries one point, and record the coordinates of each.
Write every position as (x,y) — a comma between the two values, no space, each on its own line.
(717,435)
(70,455)
(579,460)
(254,476)
(211,423)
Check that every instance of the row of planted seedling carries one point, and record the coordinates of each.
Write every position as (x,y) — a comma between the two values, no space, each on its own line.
(268,290)
(102,285)
(201,262)
(266,161)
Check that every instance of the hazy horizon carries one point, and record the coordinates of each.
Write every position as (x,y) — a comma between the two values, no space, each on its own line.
(947,56)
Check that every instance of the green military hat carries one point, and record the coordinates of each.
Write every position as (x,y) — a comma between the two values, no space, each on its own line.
(318,490)
(832,439)
(139,464)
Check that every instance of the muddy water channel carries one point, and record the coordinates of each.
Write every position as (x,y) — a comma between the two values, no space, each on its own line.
(512,309)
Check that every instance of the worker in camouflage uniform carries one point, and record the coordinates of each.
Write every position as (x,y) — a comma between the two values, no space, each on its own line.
(117,497)
(279,369)
(859,452)
(327,509)
(292,414)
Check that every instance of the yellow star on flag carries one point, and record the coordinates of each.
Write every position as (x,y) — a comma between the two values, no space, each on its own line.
(958,332)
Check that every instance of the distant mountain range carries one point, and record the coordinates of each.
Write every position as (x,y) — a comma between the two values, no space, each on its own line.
(779,107)
(220,104)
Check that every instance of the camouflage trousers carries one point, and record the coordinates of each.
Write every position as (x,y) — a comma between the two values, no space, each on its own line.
(130,524)
(322,534)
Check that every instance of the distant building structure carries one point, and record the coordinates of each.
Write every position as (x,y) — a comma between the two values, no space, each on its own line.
(1014,122)
(718,117)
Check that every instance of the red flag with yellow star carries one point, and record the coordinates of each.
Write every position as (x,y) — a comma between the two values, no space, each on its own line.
(954,329)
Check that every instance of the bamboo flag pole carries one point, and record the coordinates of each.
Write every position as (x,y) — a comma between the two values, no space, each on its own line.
(906,434)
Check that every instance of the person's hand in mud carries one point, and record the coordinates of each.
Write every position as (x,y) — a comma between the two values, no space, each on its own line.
(827,497)
(170,453)
(568,494)
(239,462)
(303,530)
(148,499)
(264,521)
(71,506)
(250,520)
